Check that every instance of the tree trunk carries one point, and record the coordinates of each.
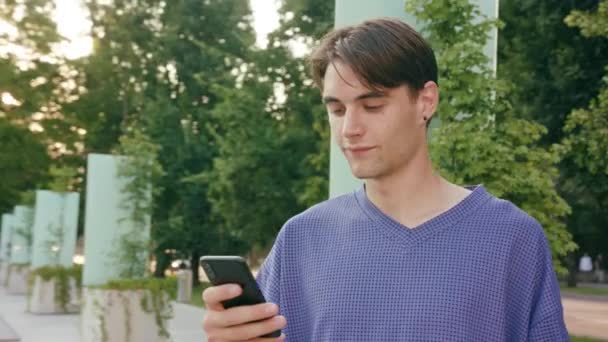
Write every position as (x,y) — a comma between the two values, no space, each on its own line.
(572,269)
(162,262)
(194,266)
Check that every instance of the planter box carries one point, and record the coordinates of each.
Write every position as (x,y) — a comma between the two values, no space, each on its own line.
(16,281)
(118,316)
(184,286)
(44,297)
(3,272)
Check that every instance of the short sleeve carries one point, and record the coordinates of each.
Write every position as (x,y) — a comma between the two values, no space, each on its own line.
(547,318)
(549,329)
(269,276)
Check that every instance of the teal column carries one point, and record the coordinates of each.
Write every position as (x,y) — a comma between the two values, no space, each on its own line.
(21,237)
(107,218)
(55,228)
(5,238)
(349,12)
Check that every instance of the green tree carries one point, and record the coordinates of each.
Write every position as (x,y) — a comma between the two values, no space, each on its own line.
(142,170)
(273,142)
(555,70)
(250,187)
(586,140)
(35,82)
(306,23)
(29,56)
(482,138)
(202,43)
(155,63)
(120,72)
(23,163)
(34,71)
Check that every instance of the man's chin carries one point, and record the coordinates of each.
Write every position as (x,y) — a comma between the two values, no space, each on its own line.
(361,174)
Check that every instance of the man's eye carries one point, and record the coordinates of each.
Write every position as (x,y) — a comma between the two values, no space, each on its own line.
(373,108)
(336,111)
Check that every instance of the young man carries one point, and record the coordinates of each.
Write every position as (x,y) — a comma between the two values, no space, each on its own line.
(410,256)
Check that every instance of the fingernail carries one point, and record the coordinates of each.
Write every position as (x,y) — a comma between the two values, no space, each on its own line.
(272,309)
(234,289)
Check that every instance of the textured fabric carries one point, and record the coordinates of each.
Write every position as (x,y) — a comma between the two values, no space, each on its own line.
(481,271)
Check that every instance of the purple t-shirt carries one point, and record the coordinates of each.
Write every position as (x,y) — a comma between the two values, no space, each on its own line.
(481,271)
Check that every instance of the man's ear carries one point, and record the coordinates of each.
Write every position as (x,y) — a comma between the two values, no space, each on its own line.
(428,98)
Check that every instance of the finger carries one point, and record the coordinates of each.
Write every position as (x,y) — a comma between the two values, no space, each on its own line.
(214,296)
(270,339)
(241,315)
(250,331)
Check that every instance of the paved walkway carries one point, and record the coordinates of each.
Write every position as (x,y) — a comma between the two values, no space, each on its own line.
(584,315)
(184,327)
(7,334)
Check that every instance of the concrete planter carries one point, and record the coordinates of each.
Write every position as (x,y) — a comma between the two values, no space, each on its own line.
(184,286)
(3,272)
(118,316)
(45,297)
(16,279)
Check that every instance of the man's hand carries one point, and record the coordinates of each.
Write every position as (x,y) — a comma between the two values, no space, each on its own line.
(241,323)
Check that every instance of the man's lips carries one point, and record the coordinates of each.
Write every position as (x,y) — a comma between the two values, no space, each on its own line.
(358,149)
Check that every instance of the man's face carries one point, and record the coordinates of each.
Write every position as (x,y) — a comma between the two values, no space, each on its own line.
(378,132)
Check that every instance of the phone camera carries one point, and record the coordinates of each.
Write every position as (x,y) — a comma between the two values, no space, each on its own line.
(209,271)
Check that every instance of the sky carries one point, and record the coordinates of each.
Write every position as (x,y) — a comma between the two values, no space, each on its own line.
(73,24)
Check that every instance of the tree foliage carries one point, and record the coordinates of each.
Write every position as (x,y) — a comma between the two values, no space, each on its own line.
(556,70)
(273,141)
(153,69)
(23,163)
(33,86)
(139,166)
(586,141)
(204,43)
(589,127)
(482,138)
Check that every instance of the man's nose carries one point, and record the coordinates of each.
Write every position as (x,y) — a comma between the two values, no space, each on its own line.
(353,124)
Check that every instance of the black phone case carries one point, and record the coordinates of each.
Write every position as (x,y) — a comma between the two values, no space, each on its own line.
(234,270)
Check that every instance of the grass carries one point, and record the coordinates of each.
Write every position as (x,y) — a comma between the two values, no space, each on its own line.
(196,298)
(584,339)
(585,290)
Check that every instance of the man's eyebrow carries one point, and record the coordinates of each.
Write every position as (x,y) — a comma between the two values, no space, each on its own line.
(370,95)
(329,99)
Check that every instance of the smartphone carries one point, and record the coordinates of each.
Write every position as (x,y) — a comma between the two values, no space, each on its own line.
(234,270)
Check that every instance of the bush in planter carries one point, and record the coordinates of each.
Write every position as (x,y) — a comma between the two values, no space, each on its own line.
(155,296)
(61,276)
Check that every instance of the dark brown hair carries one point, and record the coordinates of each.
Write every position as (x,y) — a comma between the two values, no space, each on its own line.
(383,52)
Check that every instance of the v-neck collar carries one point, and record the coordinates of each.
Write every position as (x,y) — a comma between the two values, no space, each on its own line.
(411,236)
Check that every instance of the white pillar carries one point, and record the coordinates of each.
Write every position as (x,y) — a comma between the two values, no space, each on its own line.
(21,237)
(107,219)
(5,245)
(5,238)
(55,228)
(349,12)
(21,240)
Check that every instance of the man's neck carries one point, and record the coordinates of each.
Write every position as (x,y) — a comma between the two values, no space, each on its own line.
(415,194)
